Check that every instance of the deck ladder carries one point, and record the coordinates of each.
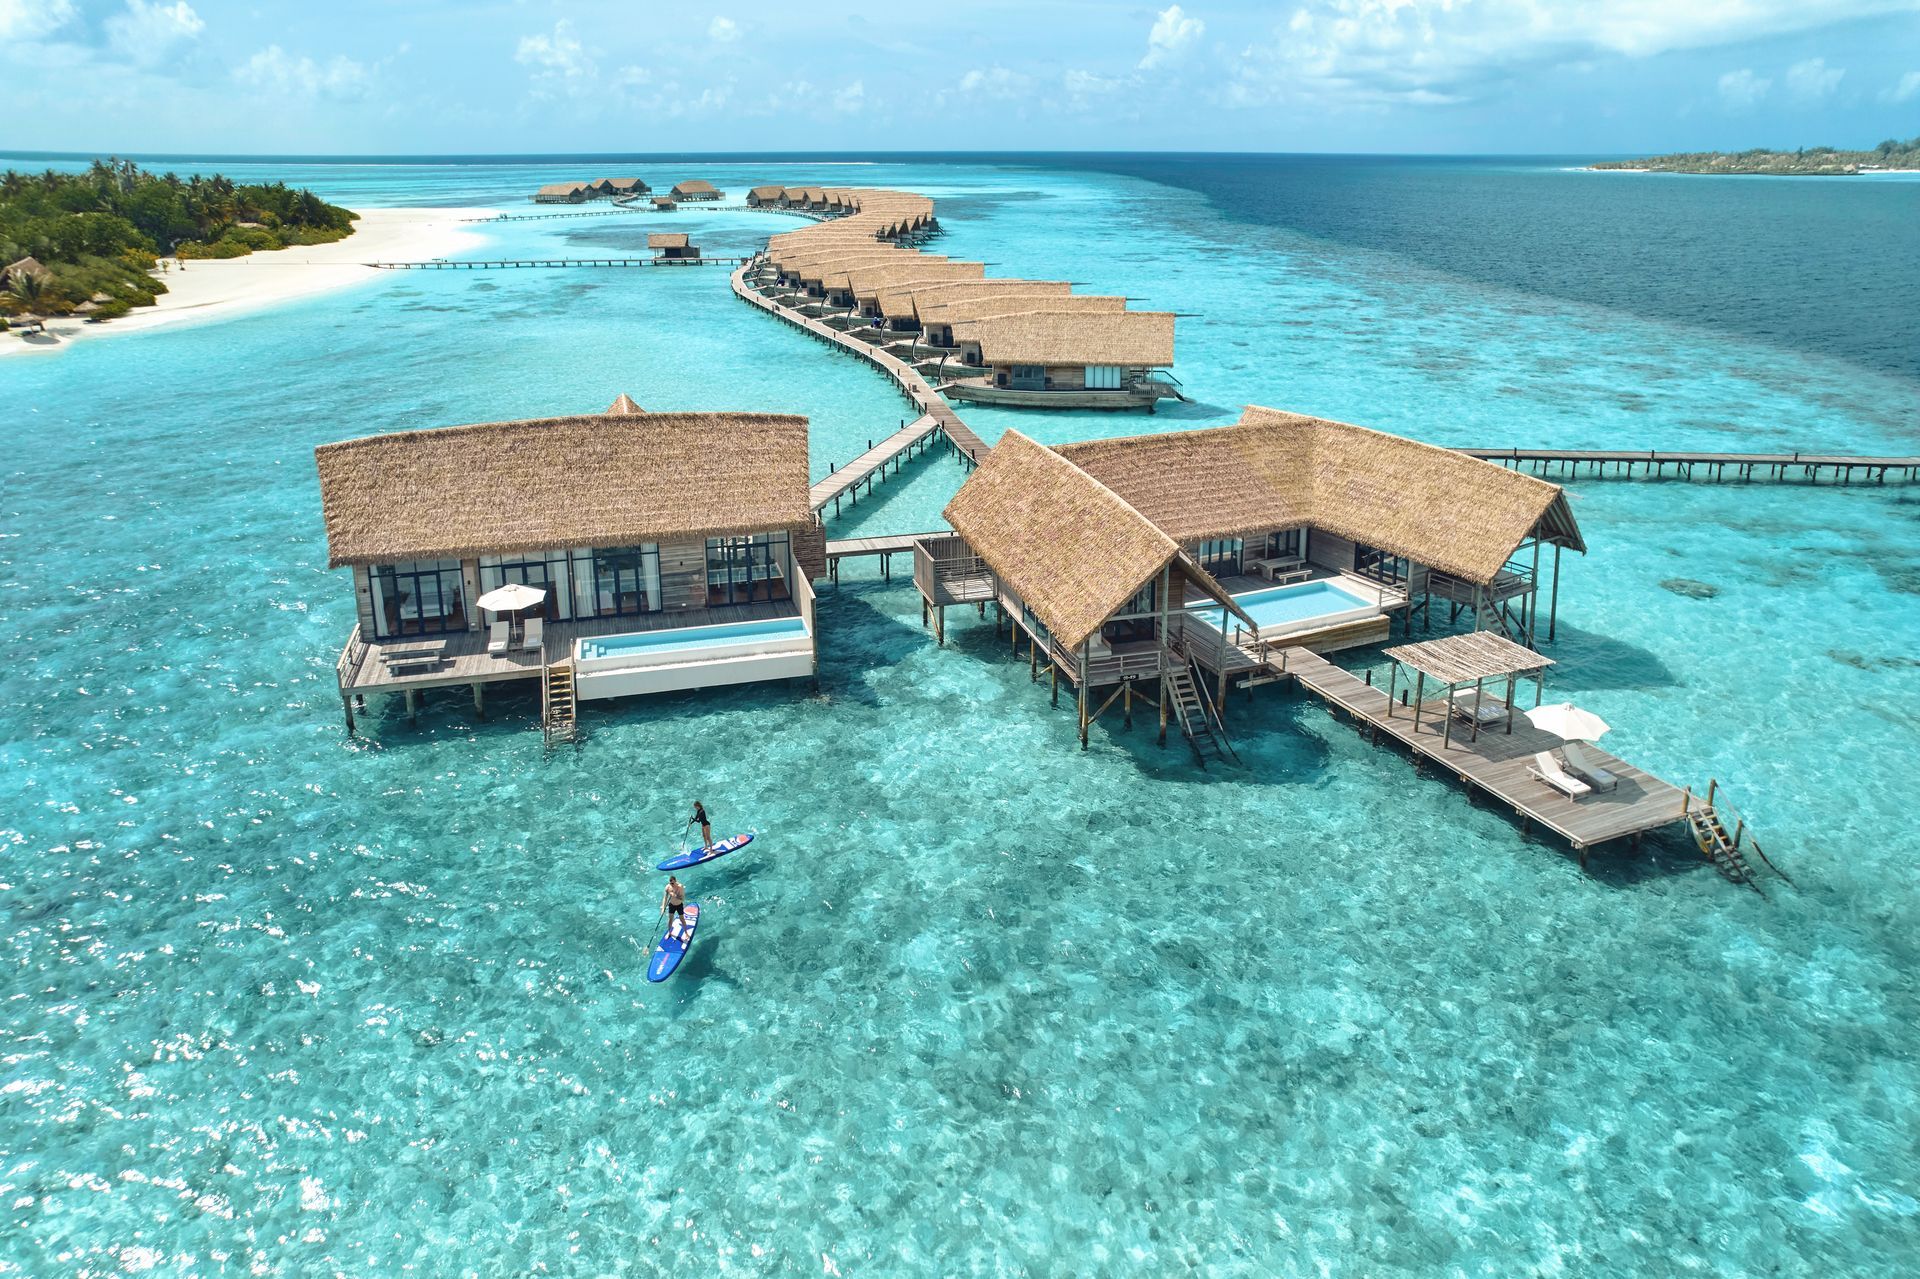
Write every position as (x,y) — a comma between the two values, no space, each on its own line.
(558,720)
(1726,850)
(1199,721)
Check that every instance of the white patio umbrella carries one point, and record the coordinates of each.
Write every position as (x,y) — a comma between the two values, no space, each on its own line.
(1565,720)
(511,598)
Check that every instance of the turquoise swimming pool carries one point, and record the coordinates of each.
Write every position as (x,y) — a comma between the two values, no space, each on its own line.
(1285,607)
(781,628)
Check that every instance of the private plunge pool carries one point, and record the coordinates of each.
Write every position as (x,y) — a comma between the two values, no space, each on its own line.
(1283,610)
(692,657)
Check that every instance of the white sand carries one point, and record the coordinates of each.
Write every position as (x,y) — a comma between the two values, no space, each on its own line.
(211,289)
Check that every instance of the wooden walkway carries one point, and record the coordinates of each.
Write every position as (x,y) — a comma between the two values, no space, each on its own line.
(925,400)
(845,481)
(508,264)
(884,548)
(544,217)
(1658,464)
(1498,761)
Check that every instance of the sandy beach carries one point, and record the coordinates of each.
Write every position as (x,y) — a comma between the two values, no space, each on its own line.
(210,289)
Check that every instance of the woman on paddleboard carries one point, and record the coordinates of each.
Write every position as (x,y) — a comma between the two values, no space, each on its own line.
(706,827)
(674,905)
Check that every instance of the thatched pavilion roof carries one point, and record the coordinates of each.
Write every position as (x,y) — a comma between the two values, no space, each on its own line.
(866,281)
(1131,339)
(28,265)
(667,240)
(1463,659)
(987,305)
(592,480)
(693,186)
(1070,547)
(1274,469)
(767,192)
(624,407)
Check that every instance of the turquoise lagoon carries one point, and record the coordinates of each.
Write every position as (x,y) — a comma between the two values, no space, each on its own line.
(282,1002)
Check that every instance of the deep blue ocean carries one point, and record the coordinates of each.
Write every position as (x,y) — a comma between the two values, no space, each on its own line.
(282,1002)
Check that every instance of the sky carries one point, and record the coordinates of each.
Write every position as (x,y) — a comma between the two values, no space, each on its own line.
(377,77)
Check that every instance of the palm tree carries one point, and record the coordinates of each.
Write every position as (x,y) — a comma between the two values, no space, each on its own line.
(29,287)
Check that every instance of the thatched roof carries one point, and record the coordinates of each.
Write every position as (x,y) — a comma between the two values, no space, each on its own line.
(1278,470)
(766,193)
(624,407)
(26,266)
(905,301)
(563,188)
(1463,659)
(667,240)
(594,480)
(1072,549)
(693,186)
(627,185)
(987,305)
(867,280)
(663,202)
(1130,339)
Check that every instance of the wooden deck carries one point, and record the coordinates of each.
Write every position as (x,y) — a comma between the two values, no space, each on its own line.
(1497,762)
(465,660)
(845,481)
(1658,464)
(881,548)
(507,264)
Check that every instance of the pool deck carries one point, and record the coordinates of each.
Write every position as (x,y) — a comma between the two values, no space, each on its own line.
(1497,761)
(464,658)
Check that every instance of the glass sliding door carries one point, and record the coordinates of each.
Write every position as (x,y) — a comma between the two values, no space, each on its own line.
(626,580)
(742,570)
(547,574)
(1220,556)
(1380,566)
(417,597)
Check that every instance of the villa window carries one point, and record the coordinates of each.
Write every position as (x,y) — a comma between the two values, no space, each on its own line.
(544,571)
(1380,566)
(1103,377)
(1287,544)
(742,570)
(1221,556)
(417,597)
(1029,377)
(626,579)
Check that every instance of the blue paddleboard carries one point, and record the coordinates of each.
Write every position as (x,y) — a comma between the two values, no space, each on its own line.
(694,856)
(671,950)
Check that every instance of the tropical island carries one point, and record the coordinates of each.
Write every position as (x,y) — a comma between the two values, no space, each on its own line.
(1890,155)
(87,244)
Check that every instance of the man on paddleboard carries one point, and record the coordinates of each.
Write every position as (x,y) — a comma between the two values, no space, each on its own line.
(706,827)
(675,905)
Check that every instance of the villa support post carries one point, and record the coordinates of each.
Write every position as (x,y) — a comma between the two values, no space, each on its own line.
(1083,694)
(1513,692)
(346,704)
(1553,604)
(1446,718)
(1126,702)
(1419,698)
(1393,677)
(1479,691)
(1533,591)
(1053,669)
(479,699)
(1163,708)
(1033,661)
(413,705)
(940,625)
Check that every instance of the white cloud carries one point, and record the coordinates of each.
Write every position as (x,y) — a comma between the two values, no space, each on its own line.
(560,64)
(274,70)
(1741,89)
(723,31)
(995,82)
(146,31)
(850,98)
(25,20)
(1087,84)
(1447,50)
(1906,91)
(1813,79)
(1173,32)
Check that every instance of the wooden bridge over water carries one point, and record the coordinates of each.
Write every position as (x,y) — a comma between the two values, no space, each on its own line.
(508,264)
(1650,464)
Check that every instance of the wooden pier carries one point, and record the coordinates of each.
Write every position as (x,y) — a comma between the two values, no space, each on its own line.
(1653,464)
(881,548)
(1496,760)
(547,217)
(507,264)
(926,401)
(846,481)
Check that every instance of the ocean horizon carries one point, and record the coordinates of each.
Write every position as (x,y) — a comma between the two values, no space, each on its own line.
(291,1001)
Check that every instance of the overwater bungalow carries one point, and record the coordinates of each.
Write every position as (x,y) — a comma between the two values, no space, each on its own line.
(901,305)
(619,188)
(767,197)
(939,312)
(697,189)
(865,281)
(563,193)
(1066,359)
(672,246)
(682,562)
(1282,529)
(664,204)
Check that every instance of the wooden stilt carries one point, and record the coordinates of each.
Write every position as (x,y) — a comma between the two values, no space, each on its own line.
(346,704)
(1163,710)
(479,699)
(413,705)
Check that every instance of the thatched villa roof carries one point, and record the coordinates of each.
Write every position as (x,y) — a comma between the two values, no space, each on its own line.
(563,188)
(905,301)
(592,480)
(693,186)
(663,202)
(866,281)
(766,193)
(1131,339)
(1071,548)
(987,305)
(1276,470)
(667,240)
(626,186)
(624,407)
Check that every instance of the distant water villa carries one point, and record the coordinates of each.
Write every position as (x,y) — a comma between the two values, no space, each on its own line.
(681,565)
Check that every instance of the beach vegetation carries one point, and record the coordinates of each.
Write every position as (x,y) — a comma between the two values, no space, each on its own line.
(1817,161)
(101,232)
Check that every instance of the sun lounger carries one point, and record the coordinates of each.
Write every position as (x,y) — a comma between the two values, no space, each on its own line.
(1493,710)
(497,636)
(1548,770)
(531,639)
(1581,763)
